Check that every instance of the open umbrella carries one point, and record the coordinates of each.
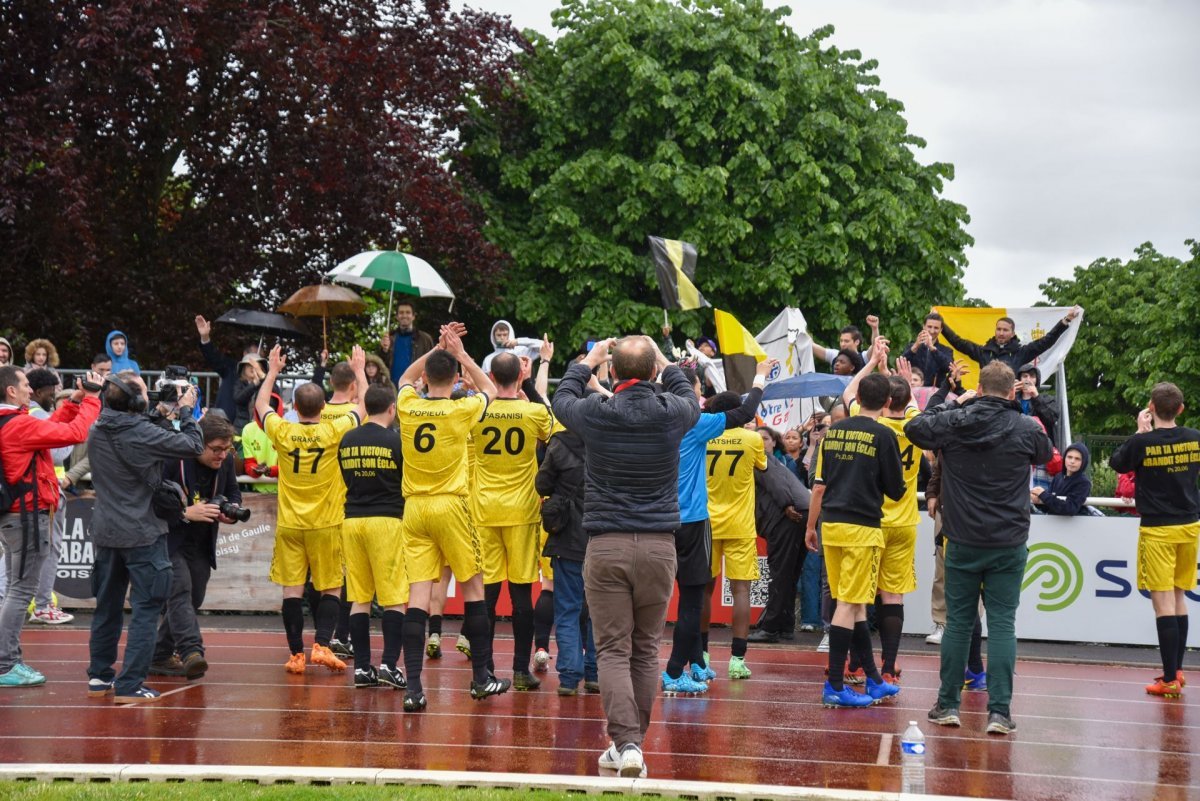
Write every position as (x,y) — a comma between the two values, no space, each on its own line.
(324,301)
(806,385)
(261,322)
(394,272)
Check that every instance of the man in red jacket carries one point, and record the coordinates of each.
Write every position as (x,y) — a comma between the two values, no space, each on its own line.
(25,444)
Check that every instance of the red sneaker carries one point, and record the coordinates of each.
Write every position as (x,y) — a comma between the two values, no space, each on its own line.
(856,677)
(1164,689)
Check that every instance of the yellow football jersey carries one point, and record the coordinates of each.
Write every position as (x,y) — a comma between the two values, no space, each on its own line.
(505,446)
(433,434)
(903,512)
(333,411)
(732,459)
(311,492)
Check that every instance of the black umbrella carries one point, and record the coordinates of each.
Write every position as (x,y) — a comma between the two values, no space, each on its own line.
(269,323)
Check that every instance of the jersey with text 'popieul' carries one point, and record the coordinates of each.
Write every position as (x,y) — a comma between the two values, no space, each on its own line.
(732,459)
(433,435)
(505,444)
(311,492)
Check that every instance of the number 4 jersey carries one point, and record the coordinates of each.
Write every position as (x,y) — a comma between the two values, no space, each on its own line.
(433,436)
(311,492)
(505,443)
(903,512)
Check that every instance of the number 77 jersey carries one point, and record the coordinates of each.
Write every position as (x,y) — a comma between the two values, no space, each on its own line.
(731,460)
(311,492)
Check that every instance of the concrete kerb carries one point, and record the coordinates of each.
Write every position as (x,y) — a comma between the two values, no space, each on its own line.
(590,785)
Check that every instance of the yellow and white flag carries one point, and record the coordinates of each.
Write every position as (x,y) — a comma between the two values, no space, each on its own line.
(1030,324)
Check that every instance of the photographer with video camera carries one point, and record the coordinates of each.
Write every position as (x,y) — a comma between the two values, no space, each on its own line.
(129,529)
(166,395)
(210,483)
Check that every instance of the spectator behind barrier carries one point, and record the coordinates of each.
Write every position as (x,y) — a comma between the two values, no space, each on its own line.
(1070,489)
(116,345)
(41,353)
(259,458)
(225,366)
(1035,403)
(6,352)
(1005,346)
(926,356)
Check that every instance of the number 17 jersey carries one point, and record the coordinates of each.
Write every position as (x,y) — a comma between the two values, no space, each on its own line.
(311,492)
(433,437)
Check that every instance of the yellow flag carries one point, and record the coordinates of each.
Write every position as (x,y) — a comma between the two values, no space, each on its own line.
(734,338)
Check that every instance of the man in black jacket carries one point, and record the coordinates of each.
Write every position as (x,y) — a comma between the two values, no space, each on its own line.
(192,546)
(630,512)
(1036,403)
(1005,346)
(780,511)
(987,449)
(560,479)
(228,368)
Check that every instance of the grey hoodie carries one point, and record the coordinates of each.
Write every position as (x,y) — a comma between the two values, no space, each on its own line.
(122,516)
(518,346)
(11,357)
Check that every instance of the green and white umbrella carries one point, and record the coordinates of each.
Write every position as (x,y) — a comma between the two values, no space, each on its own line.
(392,271)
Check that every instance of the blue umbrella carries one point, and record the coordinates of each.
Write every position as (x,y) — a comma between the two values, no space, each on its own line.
(807,385)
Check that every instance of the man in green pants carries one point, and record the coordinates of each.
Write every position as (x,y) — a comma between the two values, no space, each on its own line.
(987,448)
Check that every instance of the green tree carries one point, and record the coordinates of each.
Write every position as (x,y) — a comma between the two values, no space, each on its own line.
(713,122)
(1140,327)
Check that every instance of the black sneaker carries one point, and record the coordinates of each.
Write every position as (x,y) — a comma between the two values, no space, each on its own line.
(340,648)
(414,702)
(944,716)
(1000,724)
(365,677)
(525,681)
(591,686)
(393,677)
(567,692)
(493,686)
(141,695)
(763,636)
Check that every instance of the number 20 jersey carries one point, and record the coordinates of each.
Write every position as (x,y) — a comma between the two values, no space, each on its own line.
(433,437)
(311,492)
(505,444)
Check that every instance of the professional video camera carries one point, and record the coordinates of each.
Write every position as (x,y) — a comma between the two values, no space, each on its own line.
(230,509)
(171,386)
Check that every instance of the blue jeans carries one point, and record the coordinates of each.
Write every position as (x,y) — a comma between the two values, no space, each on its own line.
(575,661)
(810,590)
(146,572)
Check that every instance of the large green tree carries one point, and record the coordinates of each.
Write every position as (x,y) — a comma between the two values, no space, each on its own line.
(1140,328)
(714,122)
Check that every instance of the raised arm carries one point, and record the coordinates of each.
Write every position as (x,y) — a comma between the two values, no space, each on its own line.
(358,363)
(963,346)
(275,364)
(879,352)
(1039,346)
(451,341)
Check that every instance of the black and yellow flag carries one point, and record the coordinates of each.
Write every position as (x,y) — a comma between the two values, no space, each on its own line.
(675,264)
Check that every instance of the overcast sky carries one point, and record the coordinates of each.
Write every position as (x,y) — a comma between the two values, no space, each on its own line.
(1073,127)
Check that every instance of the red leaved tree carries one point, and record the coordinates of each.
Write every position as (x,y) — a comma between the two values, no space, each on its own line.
(159,160)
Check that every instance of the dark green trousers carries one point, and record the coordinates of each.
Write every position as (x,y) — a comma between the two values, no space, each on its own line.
(968,570)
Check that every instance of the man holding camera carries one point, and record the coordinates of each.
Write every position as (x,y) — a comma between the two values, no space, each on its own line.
(129,529)
(210,483)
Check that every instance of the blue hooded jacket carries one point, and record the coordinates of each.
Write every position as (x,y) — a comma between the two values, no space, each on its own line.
(122,362)
(1068,494)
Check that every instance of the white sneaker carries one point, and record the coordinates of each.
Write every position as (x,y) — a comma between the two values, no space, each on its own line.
(935,636)
(611,758)
(633,764)
(51,616)
(541,660)
(823,648)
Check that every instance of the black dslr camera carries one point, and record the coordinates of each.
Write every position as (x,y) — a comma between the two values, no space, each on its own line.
(230,509)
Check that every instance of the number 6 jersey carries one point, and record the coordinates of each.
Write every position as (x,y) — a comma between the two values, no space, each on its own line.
(311,492)
(433,438)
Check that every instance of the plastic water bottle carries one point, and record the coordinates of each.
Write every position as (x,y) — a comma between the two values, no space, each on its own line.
(912,759)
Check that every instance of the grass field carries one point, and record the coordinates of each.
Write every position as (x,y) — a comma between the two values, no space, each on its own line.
(210,791)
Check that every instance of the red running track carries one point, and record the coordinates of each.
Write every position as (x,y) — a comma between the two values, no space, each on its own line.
(1085,732)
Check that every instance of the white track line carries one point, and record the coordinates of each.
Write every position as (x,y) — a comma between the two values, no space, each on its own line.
(885,750)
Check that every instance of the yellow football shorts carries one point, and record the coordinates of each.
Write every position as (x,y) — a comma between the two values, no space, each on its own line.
(741,559)
(510,553)
(544,561)
(853,572)
(438,530)
(897,570)
(299,551)
(374,551)
(1166,558)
